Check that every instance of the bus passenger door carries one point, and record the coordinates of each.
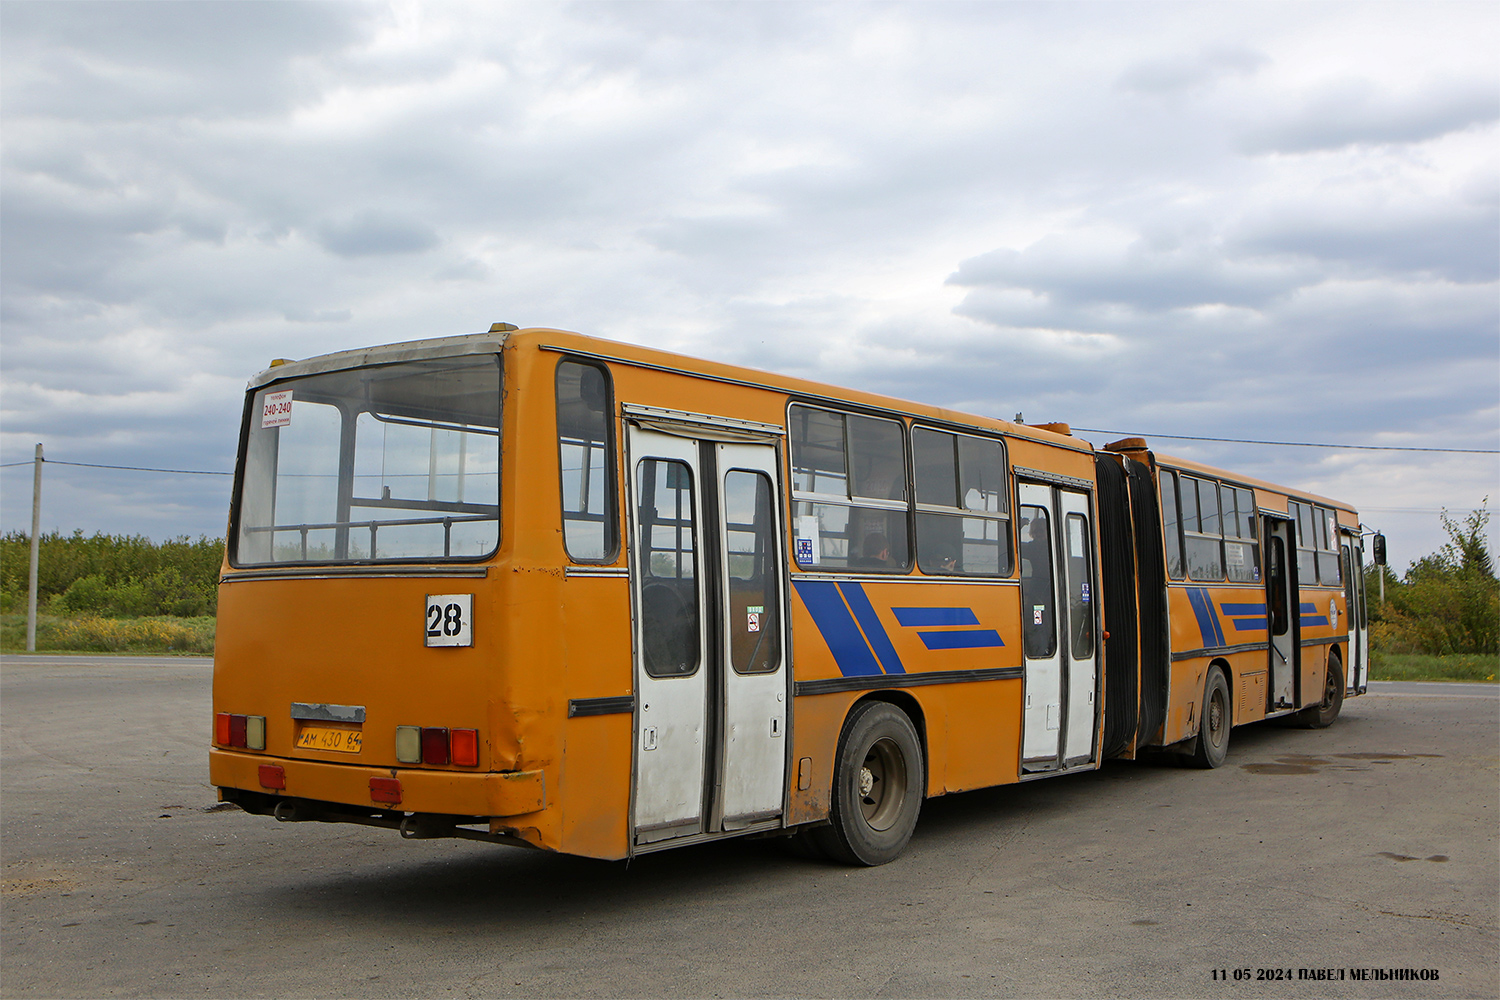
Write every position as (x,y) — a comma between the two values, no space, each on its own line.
(707,569)
(752,764)
(1043,717)
(1057,588)
(671,672)
(1355,614)
(1281,603)
(1078,589)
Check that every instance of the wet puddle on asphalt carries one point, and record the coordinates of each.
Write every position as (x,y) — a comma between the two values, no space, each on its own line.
(1296,763)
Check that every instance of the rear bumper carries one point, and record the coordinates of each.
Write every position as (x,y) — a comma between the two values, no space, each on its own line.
(513,793)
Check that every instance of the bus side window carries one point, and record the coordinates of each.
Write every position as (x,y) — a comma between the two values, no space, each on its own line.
(1170,523)
(585,455)
(849,502)
(963,525)
(1329,565)
(1038,596)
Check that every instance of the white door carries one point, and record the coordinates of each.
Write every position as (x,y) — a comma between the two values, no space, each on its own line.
(707,569)
(1356,662)
(1058,627)
(1078,610)
(671,672)
(754,739)
(1043,717)
(1281,605)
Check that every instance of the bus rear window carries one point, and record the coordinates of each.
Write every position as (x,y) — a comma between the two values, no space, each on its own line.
(395,462)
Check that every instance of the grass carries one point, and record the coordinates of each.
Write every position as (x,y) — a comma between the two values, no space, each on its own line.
(92,634)
(1422,667)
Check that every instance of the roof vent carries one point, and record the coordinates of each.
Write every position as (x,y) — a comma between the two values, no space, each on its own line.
(1056,427)
(278,362)
(1127,444)
(503,327)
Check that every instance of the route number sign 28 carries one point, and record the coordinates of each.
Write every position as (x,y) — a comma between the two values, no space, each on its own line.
(450,619)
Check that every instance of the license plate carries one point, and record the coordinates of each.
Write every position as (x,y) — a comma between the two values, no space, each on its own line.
(328,738)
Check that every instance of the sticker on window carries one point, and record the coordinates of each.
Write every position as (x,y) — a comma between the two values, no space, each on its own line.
(752,621)
(276,409)
(1036,613)
(807,540)
(1085,593)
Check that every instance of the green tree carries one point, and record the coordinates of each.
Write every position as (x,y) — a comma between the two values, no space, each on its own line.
(1449,601)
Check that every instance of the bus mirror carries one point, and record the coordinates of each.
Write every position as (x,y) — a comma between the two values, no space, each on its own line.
(1378,545)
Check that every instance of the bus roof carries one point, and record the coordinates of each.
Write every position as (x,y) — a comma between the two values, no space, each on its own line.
(1188,465)
(502,334)
(631,354)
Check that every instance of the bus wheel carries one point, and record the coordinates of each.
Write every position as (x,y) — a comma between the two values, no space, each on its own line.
(1214,726)
(1321,715)
(877,787)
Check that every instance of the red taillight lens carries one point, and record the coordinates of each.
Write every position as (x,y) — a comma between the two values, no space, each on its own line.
(386,790)
(272,776)
(221,728)
(435,746)
(466,747)
(237,730)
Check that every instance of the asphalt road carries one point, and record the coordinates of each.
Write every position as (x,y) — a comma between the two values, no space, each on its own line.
(1370,845)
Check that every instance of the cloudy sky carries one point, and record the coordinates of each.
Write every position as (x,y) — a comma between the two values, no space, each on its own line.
(1269,221)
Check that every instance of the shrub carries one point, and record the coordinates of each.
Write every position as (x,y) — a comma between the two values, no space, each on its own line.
(113,574)
(1449,601)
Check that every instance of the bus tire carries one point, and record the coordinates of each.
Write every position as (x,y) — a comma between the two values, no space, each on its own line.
(1214,722)
(877,787)
(1321,715)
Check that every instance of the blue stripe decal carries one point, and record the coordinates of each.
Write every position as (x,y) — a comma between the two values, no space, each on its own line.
(1208,622)
(976,638)
(1246,617)
(1310,615)
(869,621)
(831,615)
(913,617)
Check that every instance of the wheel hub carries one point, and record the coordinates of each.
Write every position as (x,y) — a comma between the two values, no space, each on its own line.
(866,782)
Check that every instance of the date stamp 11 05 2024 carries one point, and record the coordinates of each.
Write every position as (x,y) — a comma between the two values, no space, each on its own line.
(1268,974)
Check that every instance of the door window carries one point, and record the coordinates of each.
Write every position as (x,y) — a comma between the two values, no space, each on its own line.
(669,568)
(1080,597)
(1038,596)
(754,572)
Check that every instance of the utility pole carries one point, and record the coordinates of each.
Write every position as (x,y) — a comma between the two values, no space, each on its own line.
(36,539)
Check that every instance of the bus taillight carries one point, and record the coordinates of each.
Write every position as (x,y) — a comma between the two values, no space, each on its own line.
(247,731)
(466,747)
(434,745)
(437,745)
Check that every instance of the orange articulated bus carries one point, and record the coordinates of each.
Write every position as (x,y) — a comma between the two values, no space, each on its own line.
(540,589)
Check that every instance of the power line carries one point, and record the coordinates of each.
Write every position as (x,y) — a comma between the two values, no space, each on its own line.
(1295,444)
(127,468)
